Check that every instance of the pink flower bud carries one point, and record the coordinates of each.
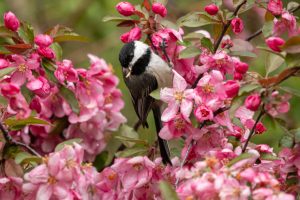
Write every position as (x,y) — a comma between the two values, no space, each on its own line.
(35,104)
(252,102)
(237,25)
(231,88)
(260,128)
(159,8)
(203,113)
(241,67)
(11,21)
(43,40)
(274,43)
(212,9)
(237,76)
(125,8)
(39,86)
(9,90)
(46,52)
(227,44)
(3,63)
(132,35)
(275,7)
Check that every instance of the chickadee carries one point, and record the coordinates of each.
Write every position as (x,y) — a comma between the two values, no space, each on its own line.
(143,72)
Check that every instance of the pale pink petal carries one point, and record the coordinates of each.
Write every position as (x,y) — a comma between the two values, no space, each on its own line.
(44,192)
(129,180)
(186,108)
(165,133)
(170,112)
(167,95)
(179,82)
(34,84)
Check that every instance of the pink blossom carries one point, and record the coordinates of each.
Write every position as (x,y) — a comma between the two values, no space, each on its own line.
(125,8)
(253,101)
(132,35)
(39,86)
(3,63)
(211,9)
(159,8)
(18,106)
(231,88)
(286,23)
(260,128)
(134,172)
(66,72)
(9,90)
(237,25)
(241,67)
(178,98)
(11,21)
(275,7)
(274,43)
(203,113)
(43,40)
(238,76)
(11,188)
(46,52)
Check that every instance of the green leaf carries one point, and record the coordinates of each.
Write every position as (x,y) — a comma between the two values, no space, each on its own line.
(193,35)
(115,18)
(296,133)
(70,142)
(6,71)
(70,97)
(286,141)
(189,52)
(24,157)
(5,32)
(217,2)
(167,191)
(292,60)
(17,124)
(268,29)
(169,24)
(295,92)
(268,156)
(100,160)
(292,45)
(248,88)
(131,152)
(266,49)
(57,50)
(164,2)
(3,101)
(273,62)
(243,156)
(70,37)
(128,136)
(26,32)
(243,54)
(206,43)
(112,147)
(196,19)
(49,68)
(155,94)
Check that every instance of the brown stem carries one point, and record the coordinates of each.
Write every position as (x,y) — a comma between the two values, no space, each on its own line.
(253,128)
(9,140)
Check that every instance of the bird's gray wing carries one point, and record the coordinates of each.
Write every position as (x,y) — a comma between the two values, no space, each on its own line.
(140,87)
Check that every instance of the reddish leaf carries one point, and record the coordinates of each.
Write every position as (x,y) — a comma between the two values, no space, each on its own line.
(127,23)
(275,80)
(140,14)
(18,48)
(147,5)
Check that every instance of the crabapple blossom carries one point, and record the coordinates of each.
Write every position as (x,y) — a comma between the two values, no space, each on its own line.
(11,21)
(275,7)
(211,9)
(133,34)
(253,101)
(43,40)
(237,25)
(274,43)
(125,8)
(159,8)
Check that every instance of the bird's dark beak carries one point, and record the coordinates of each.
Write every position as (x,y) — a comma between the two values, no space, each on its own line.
(129,71)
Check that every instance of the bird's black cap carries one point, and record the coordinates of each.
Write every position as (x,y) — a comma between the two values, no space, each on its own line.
(126,54)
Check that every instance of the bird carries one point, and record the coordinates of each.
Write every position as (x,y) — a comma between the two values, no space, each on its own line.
(143,72)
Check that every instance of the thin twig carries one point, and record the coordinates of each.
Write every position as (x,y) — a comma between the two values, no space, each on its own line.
(163,46)
(9,140)
(226,26)
(253,128)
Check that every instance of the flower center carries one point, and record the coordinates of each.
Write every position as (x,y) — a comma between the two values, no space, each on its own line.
(112,176)
(178,96)
(191,197)
(108,99)
(208,88)
(51,180)
(179,123)
(22,67)
(138,166)
(204,112)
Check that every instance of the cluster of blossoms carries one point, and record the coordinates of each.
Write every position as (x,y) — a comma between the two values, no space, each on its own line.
(216,161)
(93,113)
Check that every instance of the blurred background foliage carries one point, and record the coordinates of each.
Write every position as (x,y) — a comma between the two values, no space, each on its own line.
(85,17)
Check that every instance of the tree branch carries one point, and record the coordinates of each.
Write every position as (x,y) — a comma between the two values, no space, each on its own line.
(262,112)
(9,140)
